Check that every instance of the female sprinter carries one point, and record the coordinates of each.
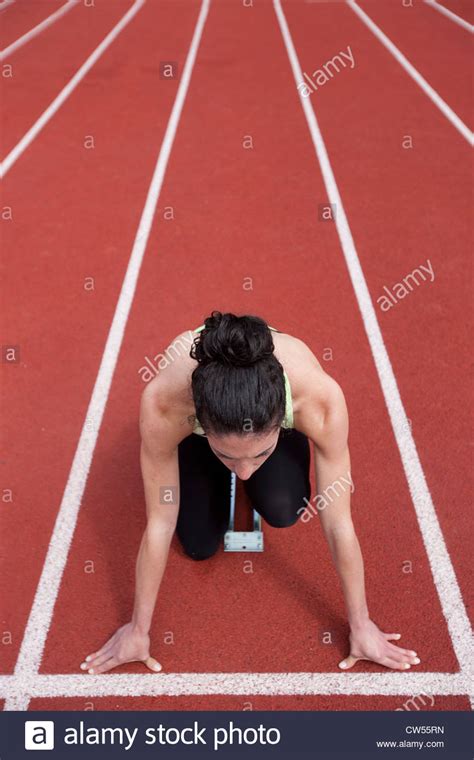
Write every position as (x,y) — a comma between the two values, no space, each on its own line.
(245,398)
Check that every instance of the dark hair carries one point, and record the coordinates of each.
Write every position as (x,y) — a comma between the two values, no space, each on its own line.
(238,385)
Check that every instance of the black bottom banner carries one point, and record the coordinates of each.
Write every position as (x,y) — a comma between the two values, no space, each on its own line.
(278,734)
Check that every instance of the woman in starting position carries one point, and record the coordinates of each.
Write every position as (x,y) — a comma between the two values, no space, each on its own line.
(249,399)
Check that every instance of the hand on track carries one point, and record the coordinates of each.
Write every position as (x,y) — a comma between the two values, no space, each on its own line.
(370,643)
(126,645)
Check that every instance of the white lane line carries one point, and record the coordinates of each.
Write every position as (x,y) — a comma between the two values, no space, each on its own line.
(28,138)
(451,15)
(414,73)
(39,621)
(4,4)
(442,569)
(176,684)
(37,29)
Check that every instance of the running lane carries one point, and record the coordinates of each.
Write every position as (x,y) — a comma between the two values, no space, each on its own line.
(407,207)
(44,65)
(20,17)
(439,49)
(237,228)
(75,215)
(462,8)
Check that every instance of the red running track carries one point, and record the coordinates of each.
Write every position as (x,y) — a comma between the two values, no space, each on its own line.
(58,245)
(444,62)
(238,214)
(51,59)
(463,8)
(19,18)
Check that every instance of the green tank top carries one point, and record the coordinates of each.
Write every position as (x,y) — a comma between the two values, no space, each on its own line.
(287,421)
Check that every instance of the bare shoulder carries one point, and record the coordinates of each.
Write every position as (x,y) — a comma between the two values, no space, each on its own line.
(174,366)
(315,394)
(299,362)
(166,401)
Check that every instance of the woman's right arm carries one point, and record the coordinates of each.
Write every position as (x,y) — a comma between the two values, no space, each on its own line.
(161,433)
(161,482)
(160,436)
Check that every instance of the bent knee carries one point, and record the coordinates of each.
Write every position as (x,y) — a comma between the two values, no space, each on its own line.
(279,515)
(281,521)
(200,553)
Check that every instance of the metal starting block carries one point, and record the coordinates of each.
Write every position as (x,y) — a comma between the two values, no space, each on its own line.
(238,540)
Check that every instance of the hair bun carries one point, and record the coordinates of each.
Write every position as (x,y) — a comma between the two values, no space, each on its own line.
(233,341)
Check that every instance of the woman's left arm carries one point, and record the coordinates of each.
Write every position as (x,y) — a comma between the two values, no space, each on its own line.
(329,434)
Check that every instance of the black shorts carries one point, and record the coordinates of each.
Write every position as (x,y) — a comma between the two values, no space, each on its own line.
(276,490)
